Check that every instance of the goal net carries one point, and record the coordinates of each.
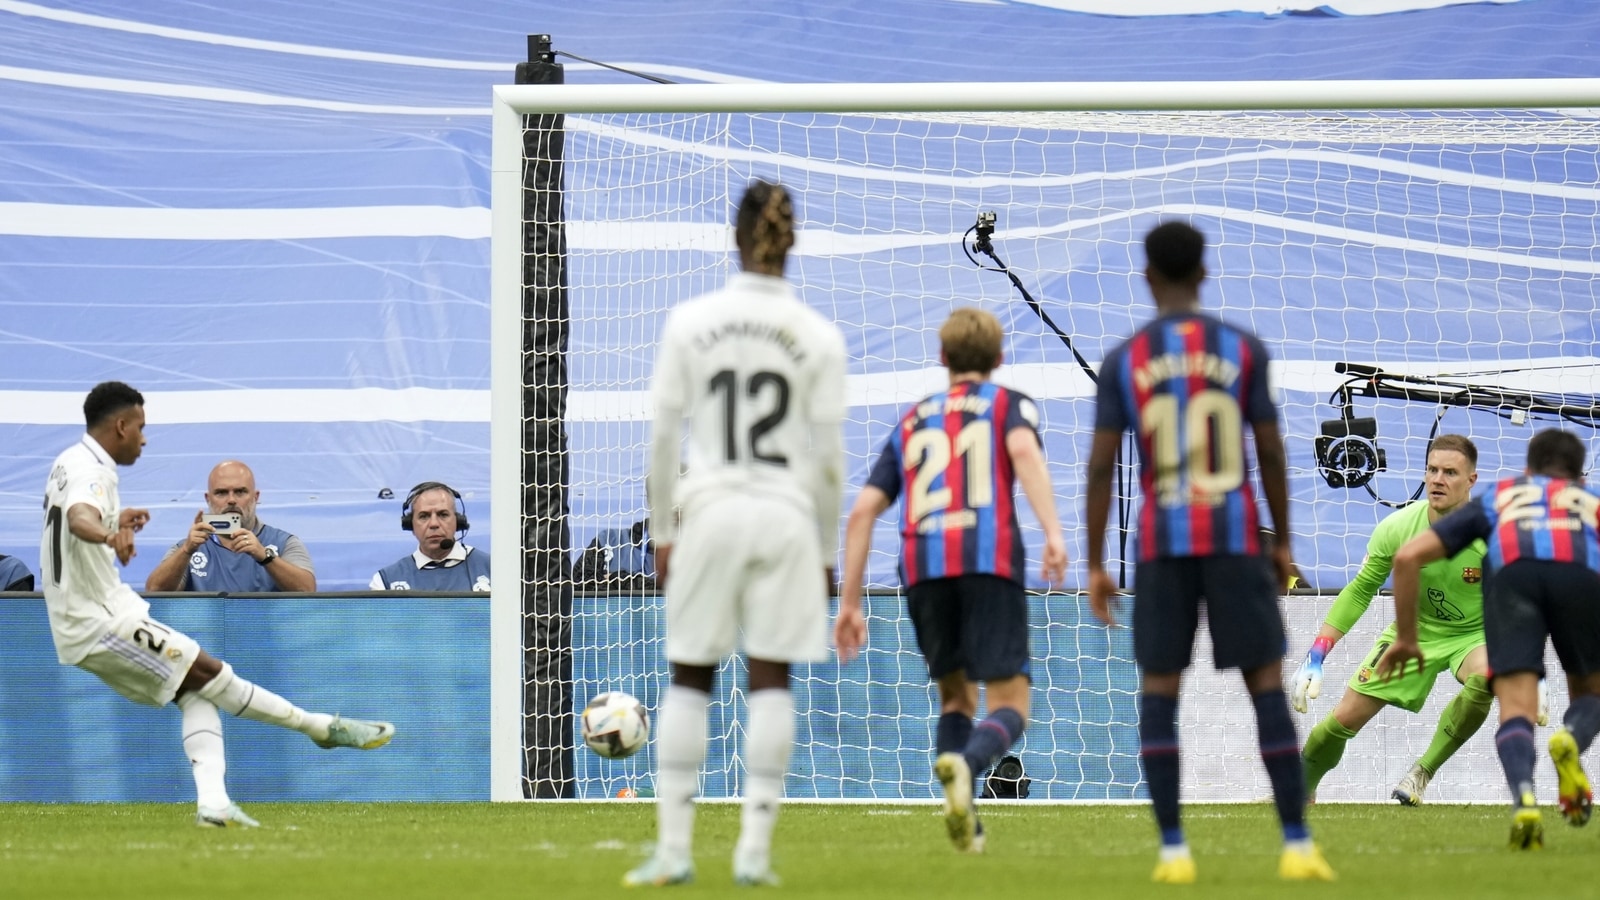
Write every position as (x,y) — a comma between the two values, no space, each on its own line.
(1450,244)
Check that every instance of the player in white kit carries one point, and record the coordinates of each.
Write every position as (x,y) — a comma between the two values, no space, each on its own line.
(746,537)
(102,626)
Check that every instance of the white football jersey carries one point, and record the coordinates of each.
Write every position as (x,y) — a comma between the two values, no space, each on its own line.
(760,376)
(82,590)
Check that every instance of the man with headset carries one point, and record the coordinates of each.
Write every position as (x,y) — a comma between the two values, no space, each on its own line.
(434,513)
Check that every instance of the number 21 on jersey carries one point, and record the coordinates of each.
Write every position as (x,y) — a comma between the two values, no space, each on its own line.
(930,452)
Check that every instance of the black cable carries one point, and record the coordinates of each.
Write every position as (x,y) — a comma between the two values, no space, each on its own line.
(984,228)
(594,62)
(984,246)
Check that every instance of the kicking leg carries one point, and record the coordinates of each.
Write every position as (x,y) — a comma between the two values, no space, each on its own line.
(214,680)
(767,750)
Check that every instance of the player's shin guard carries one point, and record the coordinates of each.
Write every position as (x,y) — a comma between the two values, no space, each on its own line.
(767,752)
(1280,753)
(991,738)
(202,741)
(1323,750)
(1158,754)
(1583,720)
(681,745)
(238,697)
(952,733)
(1514,743)
(1461,720)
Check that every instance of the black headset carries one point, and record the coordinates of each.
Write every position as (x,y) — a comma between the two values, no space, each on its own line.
(423,488)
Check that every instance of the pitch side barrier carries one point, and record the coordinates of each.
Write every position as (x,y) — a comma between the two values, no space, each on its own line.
(420,660)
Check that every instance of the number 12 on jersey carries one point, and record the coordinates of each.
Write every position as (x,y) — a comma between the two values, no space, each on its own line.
(765,396)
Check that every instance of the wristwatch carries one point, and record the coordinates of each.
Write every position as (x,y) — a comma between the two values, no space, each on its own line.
(271,555)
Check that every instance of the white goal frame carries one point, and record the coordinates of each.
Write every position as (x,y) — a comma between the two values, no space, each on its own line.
(512,103)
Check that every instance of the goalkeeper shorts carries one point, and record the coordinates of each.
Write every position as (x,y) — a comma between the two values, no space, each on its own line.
(1411,690)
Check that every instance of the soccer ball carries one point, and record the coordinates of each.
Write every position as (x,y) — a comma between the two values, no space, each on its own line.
(615,725)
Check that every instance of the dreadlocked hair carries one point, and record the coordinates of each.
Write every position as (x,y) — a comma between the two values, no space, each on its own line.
(765,226)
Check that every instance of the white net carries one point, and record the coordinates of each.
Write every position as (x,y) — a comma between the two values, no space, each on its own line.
(1458,247)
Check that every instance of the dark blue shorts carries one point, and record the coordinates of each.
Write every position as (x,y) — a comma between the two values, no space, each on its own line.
(976,623)
(1237,595)
(1532,599)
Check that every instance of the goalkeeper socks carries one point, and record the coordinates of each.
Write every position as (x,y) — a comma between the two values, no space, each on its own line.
(991,738)
(202,741)
(1583,720)
(238,697)
(1461,720)
(767,749)
(1280,753)
(1158,754)
(681,748)
(1514,741)
(952,733)
(1323,750)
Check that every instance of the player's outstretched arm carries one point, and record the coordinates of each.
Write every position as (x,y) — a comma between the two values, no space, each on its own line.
(1097,509)
(1308,678)
(850,630)
(1027,460)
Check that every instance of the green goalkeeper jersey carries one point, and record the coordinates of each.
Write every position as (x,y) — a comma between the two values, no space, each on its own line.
(1449,591)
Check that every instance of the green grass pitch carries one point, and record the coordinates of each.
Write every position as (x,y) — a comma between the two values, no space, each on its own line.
(398,850)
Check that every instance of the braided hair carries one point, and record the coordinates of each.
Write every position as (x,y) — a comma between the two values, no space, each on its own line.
(764,230)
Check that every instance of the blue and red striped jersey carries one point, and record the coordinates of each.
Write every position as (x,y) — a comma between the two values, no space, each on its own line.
(1532,517)
(948,465)
(1187,386)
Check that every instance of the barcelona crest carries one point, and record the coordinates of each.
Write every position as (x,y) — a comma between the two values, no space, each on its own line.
(1471,575)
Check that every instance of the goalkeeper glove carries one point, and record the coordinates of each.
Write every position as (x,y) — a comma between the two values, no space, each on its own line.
(1308,680)
(1544,703)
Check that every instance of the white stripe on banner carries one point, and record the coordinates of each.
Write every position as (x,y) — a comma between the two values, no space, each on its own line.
(157,223)
(223,95)
(1578,378)
(472,223)
(502,67)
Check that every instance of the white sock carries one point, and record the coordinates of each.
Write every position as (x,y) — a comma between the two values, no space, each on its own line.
(202,741)
(1170,852)
(238,697)
(767,746)
(681,749)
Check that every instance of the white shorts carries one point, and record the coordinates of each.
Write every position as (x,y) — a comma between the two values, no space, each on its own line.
(142,659)
(752,564)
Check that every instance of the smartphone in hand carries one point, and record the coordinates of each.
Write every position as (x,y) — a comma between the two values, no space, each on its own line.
(225,524)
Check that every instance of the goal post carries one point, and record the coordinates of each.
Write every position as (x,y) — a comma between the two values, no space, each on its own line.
(1429,227)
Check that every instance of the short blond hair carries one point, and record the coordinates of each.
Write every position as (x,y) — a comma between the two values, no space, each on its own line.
(970,339)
